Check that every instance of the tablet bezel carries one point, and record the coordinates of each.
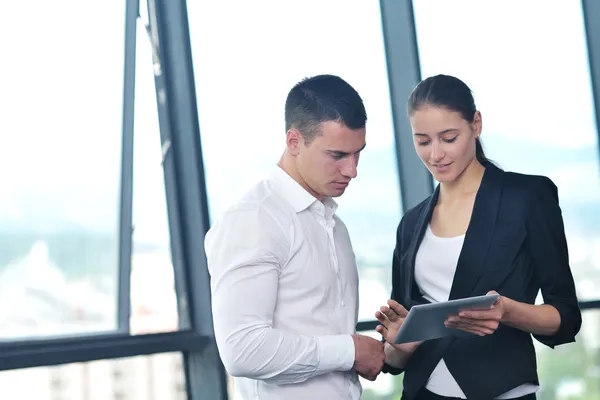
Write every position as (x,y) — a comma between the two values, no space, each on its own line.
(429,318)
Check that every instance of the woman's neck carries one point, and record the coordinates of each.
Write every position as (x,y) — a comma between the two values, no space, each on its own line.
(466,183)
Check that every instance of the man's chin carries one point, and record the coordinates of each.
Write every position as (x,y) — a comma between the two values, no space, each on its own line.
(336,192)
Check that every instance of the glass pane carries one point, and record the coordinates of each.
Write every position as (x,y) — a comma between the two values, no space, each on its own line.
(153,297)
(533,88)
(62,83)
(572,371)
(242,80)
(159,376)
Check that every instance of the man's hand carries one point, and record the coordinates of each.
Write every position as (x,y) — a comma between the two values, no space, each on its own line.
(368,356)
(479,322)
(391,319)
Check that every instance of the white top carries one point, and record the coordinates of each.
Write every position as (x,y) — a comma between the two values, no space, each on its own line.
(435,266)
(284,289)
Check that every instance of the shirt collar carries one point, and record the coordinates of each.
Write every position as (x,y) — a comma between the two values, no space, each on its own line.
(296,195)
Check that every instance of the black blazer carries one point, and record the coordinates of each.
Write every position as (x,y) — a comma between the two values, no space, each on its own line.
(515,244)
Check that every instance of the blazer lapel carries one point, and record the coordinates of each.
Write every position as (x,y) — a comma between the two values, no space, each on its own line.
(479,234)
(412,289)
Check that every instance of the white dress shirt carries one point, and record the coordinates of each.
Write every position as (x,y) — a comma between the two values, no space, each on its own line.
(435,266)
(284,289)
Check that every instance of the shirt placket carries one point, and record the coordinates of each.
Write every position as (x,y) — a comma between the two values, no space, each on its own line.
(329,224)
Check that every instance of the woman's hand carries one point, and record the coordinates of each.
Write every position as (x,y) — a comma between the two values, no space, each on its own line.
(391,318)
(479,322)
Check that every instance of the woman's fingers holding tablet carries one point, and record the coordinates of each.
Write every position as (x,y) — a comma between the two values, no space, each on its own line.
(397,308)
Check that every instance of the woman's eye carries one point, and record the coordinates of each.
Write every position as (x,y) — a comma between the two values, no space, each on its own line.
(451,140)
(424,143)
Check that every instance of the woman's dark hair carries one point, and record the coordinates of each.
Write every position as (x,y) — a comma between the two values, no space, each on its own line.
(451,93)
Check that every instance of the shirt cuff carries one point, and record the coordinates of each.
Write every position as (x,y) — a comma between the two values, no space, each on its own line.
(336,353)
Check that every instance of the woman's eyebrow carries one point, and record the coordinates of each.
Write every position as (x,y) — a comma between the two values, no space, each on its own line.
(439,133)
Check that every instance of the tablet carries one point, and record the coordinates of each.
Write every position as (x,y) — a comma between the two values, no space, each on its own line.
(426,321)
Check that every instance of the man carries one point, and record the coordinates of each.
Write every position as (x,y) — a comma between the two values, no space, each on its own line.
(283,274)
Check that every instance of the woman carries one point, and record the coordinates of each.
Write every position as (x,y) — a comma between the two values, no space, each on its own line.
(483,230)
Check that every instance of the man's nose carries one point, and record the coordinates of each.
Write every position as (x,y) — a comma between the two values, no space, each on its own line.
(350,167)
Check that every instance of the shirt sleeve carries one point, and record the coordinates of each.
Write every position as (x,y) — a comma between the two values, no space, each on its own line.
(549,252)
(245,252)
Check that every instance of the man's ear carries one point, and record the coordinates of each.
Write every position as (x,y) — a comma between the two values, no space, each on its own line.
(293,141)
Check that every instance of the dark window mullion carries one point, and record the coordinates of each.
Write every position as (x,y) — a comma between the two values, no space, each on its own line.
(126,211)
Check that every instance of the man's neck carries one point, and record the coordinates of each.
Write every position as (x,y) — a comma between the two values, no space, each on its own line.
(288,165)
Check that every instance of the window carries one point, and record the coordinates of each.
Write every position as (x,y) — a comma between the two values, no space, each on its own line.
(153,297)
(572,371)
(61,129)
(155,377)
(59,210)
(242,80)
(534,91)
(77,247)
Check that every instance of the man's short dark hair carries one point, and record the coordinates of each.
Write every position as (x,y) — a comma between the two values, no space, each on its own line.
(323,98)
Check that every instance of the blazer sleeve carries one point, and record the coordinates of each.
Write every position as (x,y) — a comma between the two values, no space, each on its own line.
(549,252)
(397,286)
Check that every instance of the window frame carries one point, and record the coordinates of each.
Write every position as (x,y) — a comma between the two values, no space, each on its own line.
(186,202)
